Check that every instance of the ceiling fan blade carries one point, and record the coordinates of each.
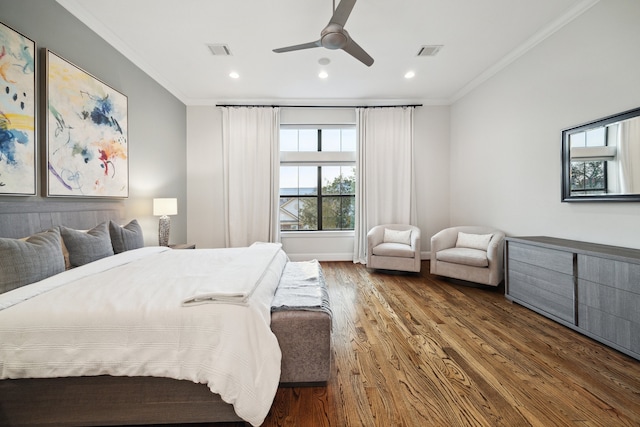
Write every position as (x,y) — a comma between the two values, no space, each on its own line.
(342,12)
(354,49)
(299,47)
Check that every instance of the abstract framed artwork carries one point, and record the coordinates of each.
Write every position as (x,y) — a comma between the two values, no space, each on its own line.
(87,138)
(17,114)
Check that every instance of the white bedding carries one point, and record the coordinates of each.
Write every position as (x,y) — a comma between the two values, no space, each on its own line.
(124,316)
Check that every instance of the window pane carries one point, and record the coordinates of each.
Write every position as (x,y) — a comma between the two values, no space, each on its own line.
(308,180)
(288,139)
(308,140)
(348,140)
(338,213)
(577,139)
(288,180)
(308,216)
(330,139)
(348,180)
(348,219)
(595,137)
(594,175)
(288,213)
(331,179)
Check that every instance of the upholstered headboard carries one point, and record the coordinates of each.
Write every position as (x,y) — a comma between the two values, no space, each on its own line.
(22,219)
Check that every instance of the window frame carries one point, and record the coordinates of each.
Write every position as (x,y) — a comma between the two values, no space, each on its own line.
(318,159)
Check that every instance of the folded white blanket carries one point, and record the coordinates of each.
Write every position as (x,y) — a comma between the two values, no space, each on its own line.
(237,281)
(300,286)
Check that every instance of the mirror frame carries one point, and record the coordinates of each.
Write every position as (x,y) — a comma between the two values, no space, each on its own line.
(566,161)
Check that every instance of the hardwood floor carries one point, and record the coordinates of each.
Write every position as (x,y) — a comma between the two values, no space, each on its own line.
(414,350)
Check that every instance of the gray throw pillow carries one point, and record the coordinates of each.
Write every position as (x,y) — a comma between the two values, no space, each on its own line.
(25,261)
(85,247)
(127,237)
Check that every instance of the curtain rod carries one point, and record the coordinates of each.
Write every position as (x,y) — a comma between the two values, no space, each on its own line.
(321,106)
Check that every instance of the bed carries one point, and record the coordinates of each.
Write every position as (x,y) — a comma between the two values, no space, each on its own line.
(169,338)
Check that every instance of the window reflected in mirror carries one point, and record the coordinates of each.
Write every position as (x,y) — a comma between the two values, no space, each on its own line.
(601,160)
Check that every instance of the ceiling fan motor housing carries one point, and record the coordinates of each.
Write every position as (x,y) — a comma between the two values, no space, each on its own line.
(334,36)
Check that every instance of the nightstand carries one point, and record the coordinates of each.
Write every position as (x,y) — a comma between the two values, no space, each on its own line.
(183,246)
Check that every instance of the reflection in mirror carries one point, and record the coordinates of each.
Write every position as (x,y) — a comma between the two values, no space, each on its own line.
(601,160)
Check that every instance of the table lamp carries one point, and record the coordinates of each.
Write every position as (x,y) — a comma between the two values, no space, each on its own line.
(164,208)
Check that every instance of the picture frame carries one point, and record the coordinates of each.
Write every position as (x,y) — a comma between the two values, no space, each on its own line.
(18,143)
(87,151)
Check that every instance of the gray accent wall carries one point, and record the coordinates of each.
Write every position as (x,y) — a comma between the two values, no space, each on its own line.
(157,119)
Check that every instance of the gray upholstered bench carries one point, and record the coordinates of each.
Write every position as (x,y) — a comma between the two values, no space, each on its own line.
(301,320)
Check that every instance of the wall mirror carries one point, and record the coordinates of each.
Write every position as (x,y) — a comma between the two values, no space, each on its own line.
(601,159)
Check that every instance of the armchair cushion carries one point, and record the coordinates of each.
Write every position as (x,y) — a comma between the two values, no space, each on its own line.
(394,249)
(397,236)
(464,256)
(473,241)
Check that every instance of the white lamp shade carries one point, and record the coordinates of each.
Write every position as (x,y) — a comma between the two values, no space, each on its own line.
(165,207)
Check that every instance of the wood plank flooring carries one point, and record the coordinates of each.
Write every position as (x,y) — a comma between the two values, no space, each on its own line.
(415,350)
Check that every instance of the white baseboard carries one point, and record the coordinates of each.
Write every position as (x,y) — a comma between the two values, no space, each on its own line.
(336,256)
(322,257)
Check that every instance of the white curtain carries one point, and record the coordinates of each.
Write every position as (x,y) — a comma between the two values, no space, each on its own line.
(251,174)
(628,151)
(385,172)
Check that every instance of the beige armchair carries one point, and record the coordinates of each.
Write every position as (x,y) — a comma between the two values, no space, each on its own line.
(394,247)
(476,255)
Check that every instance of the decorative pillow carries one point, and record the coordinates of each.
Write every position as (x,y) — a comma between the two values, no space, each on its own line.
(127,237)
(85,247)
(473,241)
(397,236)
(24,261)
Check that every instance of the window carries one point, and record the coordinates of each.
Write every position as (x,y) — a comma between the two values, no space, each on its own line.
(588,175)
(317,178)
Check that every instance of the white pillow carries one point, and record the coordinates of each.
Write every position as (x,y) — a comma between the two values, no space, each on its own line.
(397,236)
(473,241)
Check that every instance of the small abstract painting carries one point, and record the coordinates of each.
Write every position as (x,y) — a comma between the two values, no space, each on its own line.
(17,114)
(87,143)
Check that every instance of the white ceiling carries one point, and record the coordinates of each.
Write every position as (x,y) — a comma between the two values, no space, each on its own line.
(168,40)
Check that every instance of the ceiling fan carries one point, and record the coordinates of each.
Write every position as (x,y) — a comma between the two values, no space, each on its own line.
(334,36)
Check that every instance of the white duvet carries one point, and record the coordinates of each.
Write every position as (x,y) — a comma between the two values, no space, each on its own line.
(125,316)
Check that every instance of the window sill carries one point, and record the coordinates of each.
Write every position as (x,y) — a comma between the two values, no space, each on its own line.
(316,234)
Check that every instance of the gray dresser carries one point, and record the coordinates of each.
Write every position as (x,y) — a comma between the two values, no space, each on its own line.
(594,289)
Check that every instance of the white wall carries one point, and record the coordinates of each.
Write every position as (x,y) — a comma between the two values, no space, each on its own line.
(204,180)
(431,150)
(505,135)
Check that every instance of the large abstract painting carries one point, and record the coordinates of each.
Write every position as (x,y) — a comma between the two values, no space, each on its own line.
(17,114)
(87,144)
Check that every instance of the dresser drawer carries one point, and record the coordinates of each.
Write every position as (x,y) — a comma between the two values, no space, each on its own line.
(618,332)
(550,259)
(617,274)
(548,291)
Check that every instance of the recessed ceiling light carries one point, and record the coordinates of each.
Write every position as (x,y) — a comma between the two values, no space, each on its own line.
(409,75)
(234,75)
(324,61)
(323,75)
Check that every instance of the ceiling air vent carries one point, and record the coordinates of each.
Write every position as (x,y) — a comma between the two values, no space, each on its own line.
(429,50)
(219,49)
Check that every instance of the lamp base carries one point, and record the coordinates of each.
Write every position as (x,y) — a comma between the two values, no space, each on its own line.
(163,230)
